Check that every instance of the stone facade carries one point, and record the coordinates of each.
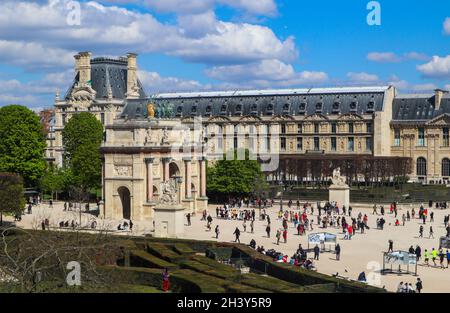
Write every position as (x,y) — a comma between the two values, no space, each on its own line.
(138,156)
(170,136)
(420,131)
(100,87)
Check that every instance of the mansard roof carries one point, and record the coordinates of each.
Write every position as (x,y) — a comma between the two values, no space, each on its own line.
(420,107)
(108,73)
(358,100)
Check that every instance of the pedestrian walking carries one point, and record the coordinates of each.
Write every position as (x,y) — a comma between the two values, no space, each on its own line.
(217,231)
(316,252)
(391,246)
(237,233)
(419,285)
(268,230)
(337,249)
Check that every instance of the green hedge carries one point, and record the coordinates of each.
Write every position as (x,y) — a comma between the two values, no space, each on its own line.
(219,253)
(182,248)
(164,252)
(299,275)
(271,283)
(141,258)
(179,279)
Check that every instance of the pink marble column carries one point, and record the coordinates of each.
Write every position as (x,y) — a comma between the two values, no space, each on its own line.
(188,177)
(202,178)
(166,162)
(149,163)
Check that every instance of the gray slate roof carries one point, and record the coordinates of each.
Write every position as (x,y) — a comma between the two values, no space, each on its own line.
(418,107)
(108,72)
(276,102)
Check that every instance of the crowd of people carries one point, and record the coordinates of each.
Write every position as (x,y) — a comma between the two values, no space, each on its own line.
(300,219)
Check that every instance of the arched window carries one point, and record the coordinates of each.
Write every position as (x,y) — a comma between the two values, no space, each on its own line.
(421,167)
(446,167)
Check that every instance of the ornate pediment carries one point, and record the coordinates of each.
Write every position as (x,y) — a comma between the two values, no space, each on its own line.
(218,119)
(282,118)
(82,96)
(188,119)
(441,120)
(316,117)
(250,118)
(350,116)
(82,92)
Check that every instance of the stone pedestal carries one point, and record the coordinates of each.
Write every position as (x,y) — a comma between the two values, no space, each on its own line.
(169,221)
(339,194)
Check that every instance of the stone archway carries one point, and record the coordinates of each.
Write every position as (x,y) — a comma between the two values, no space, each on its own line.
(174,170)
(125,199)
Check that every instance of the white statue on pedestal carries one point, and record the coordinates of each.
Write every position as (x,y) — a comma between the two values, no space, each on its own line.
(337,179)
(169,193)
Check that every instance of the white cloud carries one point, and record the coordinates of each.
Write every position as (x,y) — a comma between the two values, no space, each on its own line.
(154,83)
(255,7)
(391,57)
(362,77)
(383,57)
(198,25)
(266,73)
(416,56)
(438,67)
(447,26)
(113,30)
(423,87)
(405,86)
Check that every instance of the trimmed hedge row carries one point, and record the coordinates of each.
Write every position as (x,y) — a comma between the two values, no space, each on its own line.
(141,258)
(179,279)
(182,248)
(164,252)
(271,284)
(299,275)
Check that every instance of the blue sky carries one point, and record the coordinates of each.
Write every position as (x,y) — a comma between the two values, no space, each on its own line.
(225,44)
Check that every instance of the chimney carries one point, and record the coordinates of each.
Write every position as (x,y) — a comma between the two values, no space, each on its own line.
(438,94)
(132,85)
(83,66)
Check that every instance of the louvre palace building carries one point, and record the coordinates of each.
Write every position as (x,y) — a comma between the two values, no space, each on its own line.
(151,139)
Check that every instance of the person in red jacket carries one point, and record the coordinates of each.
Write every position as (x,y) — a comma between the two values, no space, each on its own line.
(350,232)
(165,280)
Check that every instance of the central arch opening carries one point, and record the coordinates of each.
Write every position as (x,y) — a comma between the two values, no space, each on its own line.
(125,199)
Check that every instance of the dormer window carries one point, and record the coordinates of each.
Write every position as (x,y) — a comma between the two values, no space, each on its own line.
(194,109)
(223,109)
(286,107)
(302,108)
(208,109)
(238,109)
(179,110)
(353,106)
(336,106)
(319,106)
(254,108)
(371,106)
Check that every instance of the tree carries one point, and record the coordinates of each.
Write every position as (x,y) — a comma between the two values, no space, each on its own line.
(22,143)
(11,194)
(235,177)
(82,137)
(54,180)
